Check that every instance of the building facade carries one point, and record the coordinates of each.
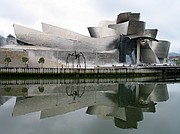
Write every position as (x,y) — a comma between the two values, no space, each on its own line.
(126,41)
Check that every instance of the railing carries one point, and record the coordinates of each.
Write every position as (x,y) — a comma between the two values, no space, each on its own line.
(103,71)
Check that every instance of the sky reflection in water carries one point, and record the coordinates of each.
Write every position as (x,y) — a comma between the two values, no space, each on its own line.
(99,108)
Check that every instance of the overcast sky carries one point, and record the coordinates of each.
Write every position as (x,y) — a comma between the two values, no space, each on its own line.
(77,15)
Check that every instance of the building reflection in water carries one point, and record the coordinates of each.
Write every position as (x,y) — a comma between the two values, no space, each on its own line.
(122,102)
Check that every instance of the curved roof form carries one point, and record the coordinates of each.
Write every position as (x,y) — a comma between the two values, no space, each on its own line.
(136,37)
(125,40)
(161,49)
(64,39)
(150,33)
(100,32)
(147,54)
(129,27)
(107,43)
(126,16)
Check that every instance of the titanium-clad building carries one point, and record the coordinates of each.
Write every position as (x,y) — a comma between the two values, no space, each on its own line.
(125,41)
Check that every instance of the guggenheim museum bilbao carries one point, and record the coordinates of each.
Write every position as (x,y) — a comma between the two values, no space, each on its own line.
(124,41)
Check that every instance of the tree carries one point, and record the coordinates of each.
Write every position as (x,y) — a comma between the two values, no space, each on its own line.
(177,61)
(41,61)
(41,89)
(25,61)
(7,60)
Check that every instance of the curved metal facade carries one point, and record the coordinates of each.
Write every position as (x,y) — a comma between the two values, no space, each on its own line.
(125,41)
(64,39)
(100,32)
(161,49)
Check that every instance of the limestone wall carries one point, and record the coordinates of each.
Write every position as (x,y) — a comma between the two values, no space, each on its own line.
(58,58)
(15,55)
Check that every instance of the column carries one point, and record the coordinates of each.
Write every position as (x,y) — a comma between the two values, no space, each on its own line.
(138,52)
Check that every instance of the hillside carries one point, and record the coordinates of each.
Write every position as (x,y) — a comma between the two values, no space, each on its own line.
(173,54)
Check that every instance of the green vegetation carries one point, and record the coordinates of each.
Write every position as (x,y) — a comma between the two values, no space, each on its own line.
(25,61)
(41,89)
(177,61)
(41,61)
(7,60)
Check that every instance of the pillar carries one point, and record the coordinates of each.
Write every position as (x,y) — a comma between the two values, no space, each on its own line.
(138,52)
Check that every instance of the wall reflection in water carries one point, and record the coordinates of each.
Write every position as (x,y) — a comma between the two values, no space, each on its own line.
(123,102)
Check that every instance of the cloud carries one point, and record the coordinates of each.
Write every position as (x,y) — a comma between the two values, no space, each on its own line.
(74,15)
(77,15)
(15,12)
(161,14)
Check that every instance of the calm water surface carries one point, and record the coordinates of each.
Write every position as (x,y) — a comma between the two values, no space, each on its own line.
(30,107)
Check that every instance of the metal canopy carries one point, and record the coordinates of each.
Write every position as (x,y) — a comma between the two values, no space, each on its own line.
(136,37)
